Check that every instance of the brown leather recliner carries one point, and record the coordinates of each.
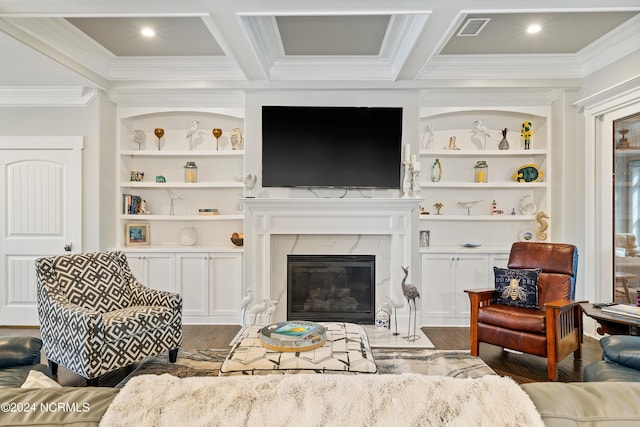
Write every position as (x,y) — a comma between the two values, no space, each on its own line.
(552,331)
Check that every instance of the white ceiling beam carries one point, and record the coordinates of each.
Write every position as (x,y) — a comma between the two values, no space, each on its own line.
(36,43)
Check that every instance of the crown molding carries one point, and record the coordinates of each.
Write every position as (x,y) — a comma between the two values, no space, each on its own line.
(615,45)
(132,101)
(175,68)
(332,68)
(527,100)
(503,66)
(621,94)
(402,36)
(264,39)
(64,43)
(46,96)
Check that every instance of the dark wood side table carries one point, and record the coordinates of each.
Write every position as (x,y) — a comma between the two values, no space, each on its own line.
(610,323)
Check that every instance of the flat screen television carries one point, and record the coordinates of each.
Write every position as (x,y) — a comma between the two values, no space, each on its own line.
(350,147)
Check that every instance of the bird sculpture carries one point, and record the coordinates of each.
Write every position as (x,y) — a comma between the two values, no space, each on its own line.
(258,309)
(427,140)
(410,292)
(244,303)
(173,196)
(272,306)
(482,129)
(192,130)
(395,305)
(249,181)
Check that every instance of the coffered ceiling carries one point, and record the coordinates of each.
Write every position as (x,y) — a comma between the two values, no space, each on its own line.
(235,44)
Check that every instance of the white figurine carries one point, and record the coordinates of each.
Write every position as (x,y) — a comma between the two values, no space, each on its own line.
(191,131)
(143,208)
(482,129)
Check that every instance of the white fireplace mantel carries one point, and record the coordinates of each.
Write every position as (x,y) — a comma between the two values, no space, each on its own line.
(393,219)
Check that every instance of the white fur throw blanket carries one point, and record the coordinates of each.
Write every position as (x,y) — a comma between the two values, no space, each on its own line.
(321,400)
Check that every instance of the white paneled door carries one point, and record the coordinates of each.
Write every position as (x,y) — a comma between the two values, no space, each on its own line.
(41,215)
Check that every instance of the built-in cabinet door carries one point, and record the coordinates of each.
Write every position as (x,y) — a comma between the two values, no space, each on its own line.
(445,276)
(471,272)
(210,284)
(193,282)
(155,270)
(438,283)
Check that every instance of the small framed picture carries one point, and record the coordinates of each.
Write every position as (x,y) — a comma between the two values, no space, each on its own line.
(137,234)
(425,238)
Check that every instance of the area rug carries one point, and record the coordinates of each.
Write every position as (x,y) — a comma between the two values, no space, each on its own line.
(207,363)
(322,400)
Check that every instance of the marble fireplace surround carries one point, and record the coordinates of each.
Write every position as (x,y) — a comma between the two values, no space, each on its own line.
(274,228)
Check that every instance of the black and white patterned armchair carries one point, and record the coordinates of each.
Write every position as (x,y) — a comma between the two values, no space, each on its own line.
(95,317)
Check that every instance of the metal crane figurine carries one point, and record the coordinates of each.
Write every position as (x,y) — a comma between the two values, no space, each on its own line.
(410,293)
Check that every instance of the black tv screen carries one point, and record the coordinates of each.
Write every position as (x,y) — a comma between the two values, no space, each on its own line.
(357,147)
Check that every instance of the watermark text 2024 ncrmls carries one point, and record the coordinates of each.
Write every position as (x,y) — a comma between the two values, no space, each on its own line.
(51,407)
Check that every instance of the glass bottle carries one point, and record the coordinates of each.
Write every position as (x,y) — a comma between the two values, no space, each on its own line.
(190,172)
(482,171)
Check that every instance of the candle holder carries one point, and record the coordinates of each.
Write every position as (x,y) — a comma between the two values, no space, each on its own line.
(406,180)
(415,183)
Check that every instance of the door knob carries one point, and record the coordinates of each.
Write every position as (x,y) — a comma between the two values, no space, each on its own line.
(67,247)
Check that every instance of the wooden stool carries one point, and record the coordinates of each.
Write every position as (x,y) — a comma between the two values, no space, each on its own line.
(624,279)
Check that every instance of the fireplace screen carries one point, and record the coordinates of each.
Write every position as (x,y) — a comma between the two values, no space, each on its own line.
(331,288)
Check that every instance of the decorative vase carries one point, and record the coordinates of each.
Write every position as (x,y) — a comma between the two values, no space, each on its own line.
(504,144)
(436,171)
(188,236)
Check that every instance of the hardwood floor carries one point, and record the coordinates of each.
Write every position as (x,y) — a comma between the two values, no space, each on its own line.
(523,368)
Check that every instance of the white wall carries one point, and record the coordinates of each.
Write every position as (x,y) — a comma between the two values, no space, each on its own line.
(96,124)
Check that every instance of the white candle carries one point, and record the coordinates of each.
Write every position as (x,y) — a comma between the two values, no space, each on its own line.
(413,158)
(406,153)
(416,166)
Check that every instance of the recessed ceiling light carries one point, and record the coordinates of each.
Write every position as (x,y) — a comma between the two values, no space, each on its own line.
(147,32)
(534,28)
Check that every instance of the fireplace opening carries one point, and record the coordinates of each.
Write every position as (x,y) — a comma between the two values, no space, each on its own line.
(331,288)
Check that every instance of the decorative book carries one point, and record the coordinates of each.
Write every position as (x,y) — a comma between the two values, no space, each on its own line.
(623,310)
(207,211)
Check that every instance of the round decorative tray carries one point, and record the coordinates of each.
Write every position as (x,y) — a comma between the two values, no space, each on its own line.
(314,336)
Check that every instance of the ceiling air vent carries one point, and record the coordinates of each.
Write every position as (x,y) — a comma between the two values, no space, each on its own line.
(473,26)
